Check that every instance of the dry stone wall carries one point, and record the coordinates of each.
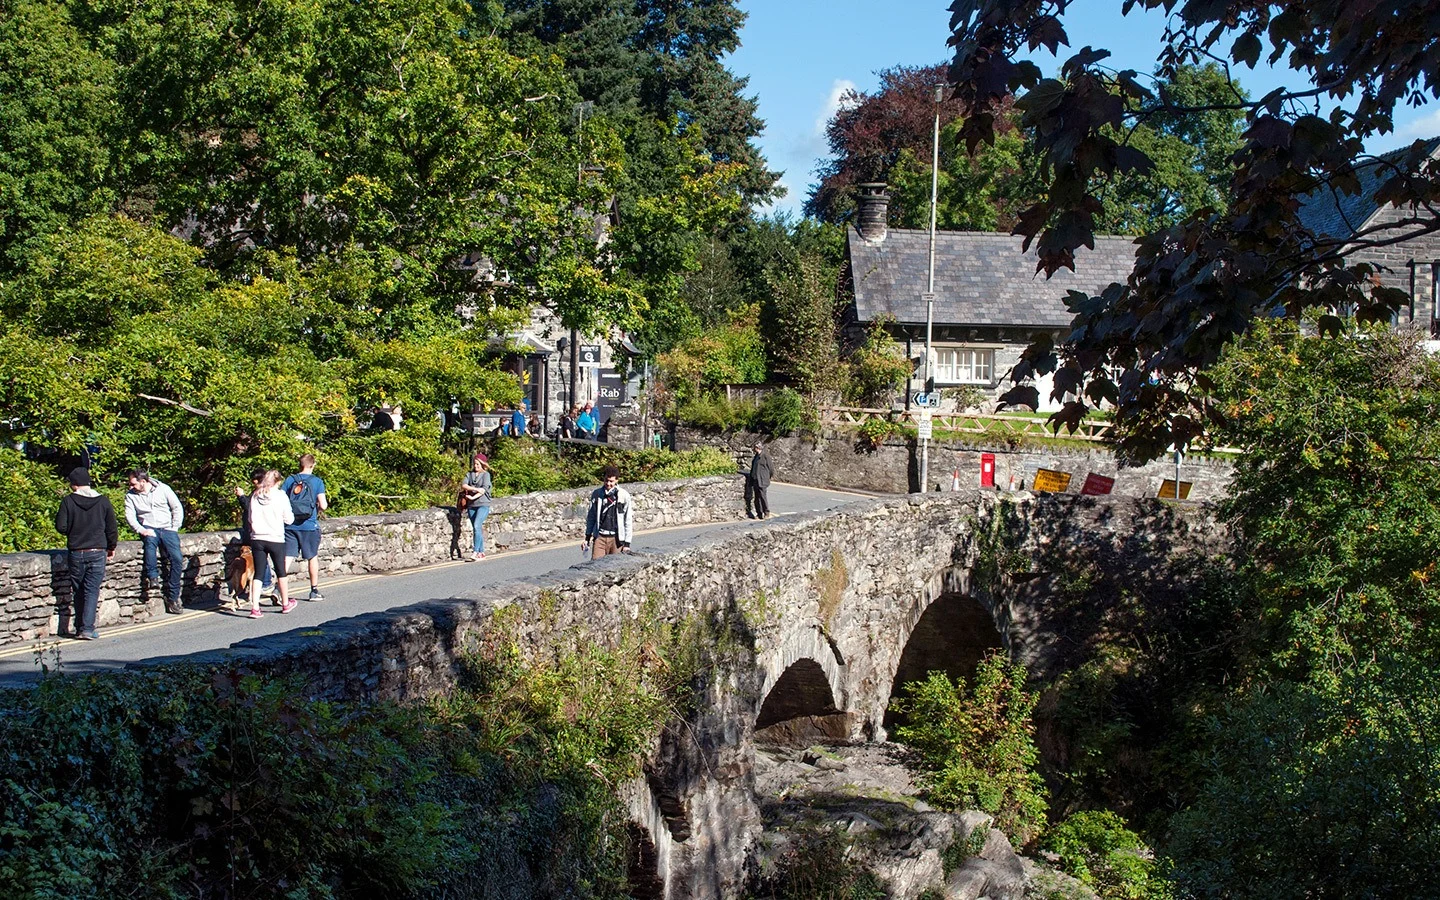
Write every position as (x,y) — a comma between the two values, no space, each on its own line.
(835,460)
(35,587)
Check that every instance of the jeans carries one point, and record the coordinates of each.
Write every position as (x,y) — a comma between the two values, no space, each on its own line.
(477,516)
(87,570)
(174,562)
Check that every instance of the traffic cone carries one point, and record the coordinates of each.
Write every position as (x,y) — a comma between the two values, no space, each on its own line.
(955,480)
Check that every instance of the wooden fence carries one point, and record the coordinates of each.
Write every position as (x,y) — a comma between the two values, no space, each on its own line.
(988,424)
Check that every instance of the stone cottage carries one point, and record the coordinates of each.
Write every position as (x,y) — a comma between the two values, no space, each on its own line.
(1412,263)
(989,300)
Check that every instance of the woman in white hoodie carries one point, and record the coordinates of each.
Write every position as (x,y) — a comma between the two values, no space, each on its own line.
(269,514)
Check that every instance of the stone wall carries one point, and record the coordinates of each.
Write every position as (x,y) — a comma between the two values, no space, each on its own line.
(35,587)
(834,460)
(839,593)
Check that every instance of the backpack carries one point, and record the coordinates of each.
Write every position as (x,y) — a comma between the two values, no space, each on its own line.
(302,498)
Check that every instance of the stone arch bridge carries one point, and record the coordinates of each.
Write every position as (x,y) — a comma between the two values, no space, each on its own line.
(836,609)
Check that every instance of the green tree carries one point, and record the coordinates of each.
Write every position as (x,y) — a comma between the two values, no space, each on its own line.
(58,110)
(1139,345)
(798,324)
(1334,501)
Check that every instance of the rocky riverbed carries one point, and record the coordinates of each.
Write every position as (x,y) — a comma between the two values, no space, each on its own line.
(847,818)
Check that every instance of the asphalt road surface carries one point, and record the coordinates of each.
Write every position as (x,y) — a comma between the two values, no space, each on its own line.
(199,630)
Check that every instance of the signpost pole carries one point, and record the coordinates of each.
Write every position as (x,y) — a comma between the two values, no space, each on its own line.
(930,284)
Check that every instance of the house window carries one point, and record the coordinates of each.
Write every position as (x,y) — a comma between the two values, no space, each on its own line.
(964,365)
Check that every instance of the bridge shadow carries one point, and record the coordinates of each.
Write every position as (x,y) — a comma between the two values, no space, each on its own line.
(1115,609)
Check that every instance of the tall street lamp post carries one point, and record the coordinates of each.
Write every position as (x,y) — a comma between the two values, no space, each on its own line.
(930,286)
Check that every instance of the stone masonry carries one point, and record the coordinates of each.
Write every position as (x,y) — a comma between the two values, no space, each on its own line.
(847,586)
(834,460)
(35,587)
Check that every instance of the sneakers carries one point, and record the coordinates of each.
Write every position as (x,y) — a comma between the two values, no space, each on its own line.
(478,556)
(315,594)
(267,592)
(287,605)
(91,635)
(256,613)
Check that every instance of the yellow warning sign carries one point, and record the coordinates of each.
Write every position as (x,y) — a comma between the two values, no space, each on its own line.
(1167,489)
(1050,480)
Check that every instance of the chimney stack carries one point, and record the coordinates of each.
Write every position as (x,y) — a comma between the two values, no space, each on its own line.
(872,210)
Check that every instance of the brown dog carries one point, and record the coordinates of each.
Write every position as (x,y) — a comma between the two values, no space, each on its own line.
(238,574)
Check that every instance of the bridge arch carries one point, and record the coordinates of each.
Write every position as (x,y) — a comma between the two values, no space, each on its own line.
(803,676)
(949,629)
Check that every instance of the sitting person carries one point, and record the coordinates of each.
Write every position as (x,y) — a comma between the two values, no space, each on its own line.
(585,424)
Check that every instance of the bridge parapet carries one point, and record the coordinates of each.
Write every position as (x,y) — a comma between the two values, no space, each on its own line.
(35,587)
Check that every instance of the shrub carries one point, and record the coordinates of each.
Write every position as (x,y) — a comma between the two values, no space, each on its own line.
(713,412)
(876,369)
(874,432)
(815,865)
(524,465)
(782,412)
(1097,848)
(977,747)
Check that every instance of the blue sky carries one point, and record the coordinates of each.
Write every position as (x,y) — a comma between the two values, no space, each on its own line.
(801,55)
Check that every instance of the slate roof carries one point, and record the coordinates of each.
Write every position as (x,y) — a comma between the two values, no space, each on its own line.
(981,277)
(1328,214)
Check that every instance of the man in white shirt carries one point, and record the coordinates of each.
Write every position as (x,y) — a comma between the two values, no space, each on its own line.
(154,512)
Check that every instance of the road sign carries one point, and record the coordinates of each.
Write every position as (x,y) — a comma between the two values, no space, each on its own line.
(1097,485)
(923,426)
(589,354)
(1167,490)
(1050,480)
(920,398)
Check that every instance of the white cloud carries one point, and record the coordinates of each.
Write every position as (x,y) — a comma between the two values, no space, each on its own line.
(812,146)
(1425,126)
(838,90)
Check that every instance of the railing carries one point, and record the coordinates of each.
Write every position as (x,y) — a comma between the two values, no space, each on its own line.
(987,424)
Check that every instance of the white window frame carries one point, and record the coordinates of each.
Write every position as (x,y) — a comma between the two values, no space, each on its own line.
(965,365)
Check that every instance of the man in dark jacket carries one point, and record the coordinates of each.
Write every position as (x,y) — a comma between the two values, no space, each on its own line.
(757,483)
(87,520)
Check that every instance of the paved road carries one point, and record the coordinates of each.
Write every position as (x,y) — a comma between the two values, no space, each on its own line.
(198,630)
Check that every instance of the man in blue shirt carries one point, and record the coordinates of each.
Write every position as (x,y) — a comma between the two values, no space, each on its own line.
(517,419)
(307,501)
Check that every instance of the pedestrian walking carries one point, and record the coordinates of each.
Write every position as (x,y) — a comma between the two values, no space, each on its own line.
(757,483)
(475,496)
(154,512)
(269,514)
(608,524)
(87,520)
(306,492)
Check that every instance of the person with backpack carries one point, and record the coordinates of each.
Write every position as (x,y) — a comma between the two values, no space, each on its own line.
(306,491)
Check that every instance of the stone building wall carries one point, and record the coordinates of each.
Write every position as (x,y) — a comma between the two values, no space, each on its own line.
(835,461)
(35,587)
(1421,252)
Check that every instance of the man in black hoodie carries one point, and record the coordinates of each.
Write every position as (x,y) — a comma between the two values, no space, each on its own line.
(87,520)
